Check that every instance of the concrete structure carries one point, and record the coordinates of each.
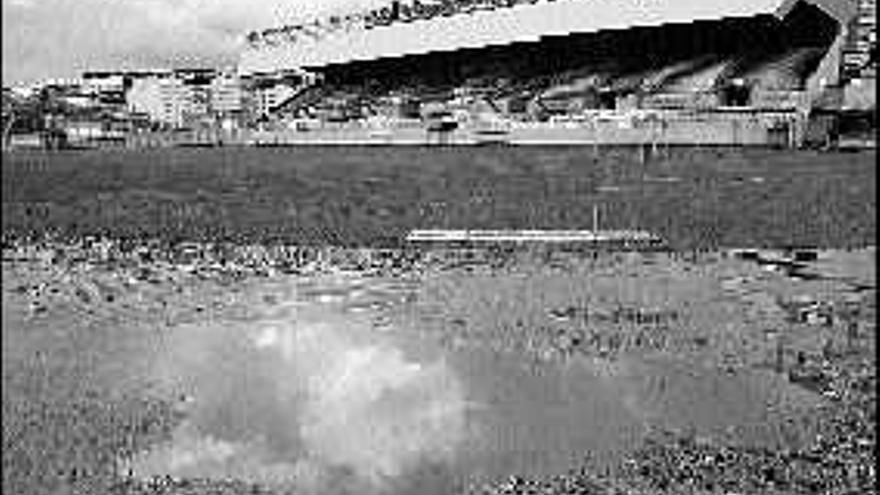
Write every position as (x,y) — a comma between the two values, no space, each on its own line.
(184,97)
(267,92)
(31,140)
(103,82)
(719,71)
(269,97)
(106,88)
(524,23)
(861,39)
(860,94)
(166,99)
(227,94)
(196,94)
(73,83)
(569,29)
(729,128)
(85,131)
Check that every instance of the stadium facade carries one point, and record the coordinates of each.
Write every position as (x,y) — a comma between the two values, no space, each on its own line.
(623,71)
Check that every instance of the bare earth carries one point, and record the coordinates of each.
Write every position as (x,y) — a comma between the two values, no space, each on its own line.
(430,381)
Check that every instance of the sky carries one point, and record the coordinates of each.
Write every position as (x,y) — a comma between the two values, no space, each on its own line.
(62,38)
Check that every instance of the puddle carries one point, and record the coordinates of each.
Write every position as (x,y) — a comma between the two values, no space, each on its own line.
(316,399)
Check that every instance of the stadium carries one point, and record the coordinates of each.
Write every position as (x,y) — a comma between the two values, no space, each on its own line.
(458,320)
(749,72)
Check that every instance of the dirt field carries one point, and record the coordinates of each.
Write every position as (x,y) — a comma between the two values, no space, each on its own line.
(440,382)
(140,361)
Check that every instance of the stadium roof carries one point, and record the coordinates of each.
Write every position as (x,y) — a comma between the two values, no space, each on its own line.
(522,23)
(841,10)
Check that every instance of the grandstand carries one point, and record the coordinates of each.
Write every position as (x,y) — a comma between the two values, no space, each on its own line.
(718,71)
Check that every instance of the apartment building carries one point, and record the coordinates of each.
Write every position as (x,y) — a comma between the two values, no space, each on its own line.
(226,95)
(163,97)
(861,43)
(106,87)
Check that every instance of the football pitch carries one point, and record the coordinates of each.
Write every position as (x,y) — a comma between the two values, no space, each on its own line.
(350,196)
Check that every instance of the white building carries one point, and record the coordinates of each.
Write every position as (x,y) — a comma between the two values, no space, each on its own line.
(180,99)
(226,95)
(62,82)
(164,98)
(268,98)
(269,91)
(96,83)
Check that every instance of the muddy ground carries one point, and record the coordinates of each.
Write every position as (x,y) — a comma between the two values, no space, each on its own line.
(144,374)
